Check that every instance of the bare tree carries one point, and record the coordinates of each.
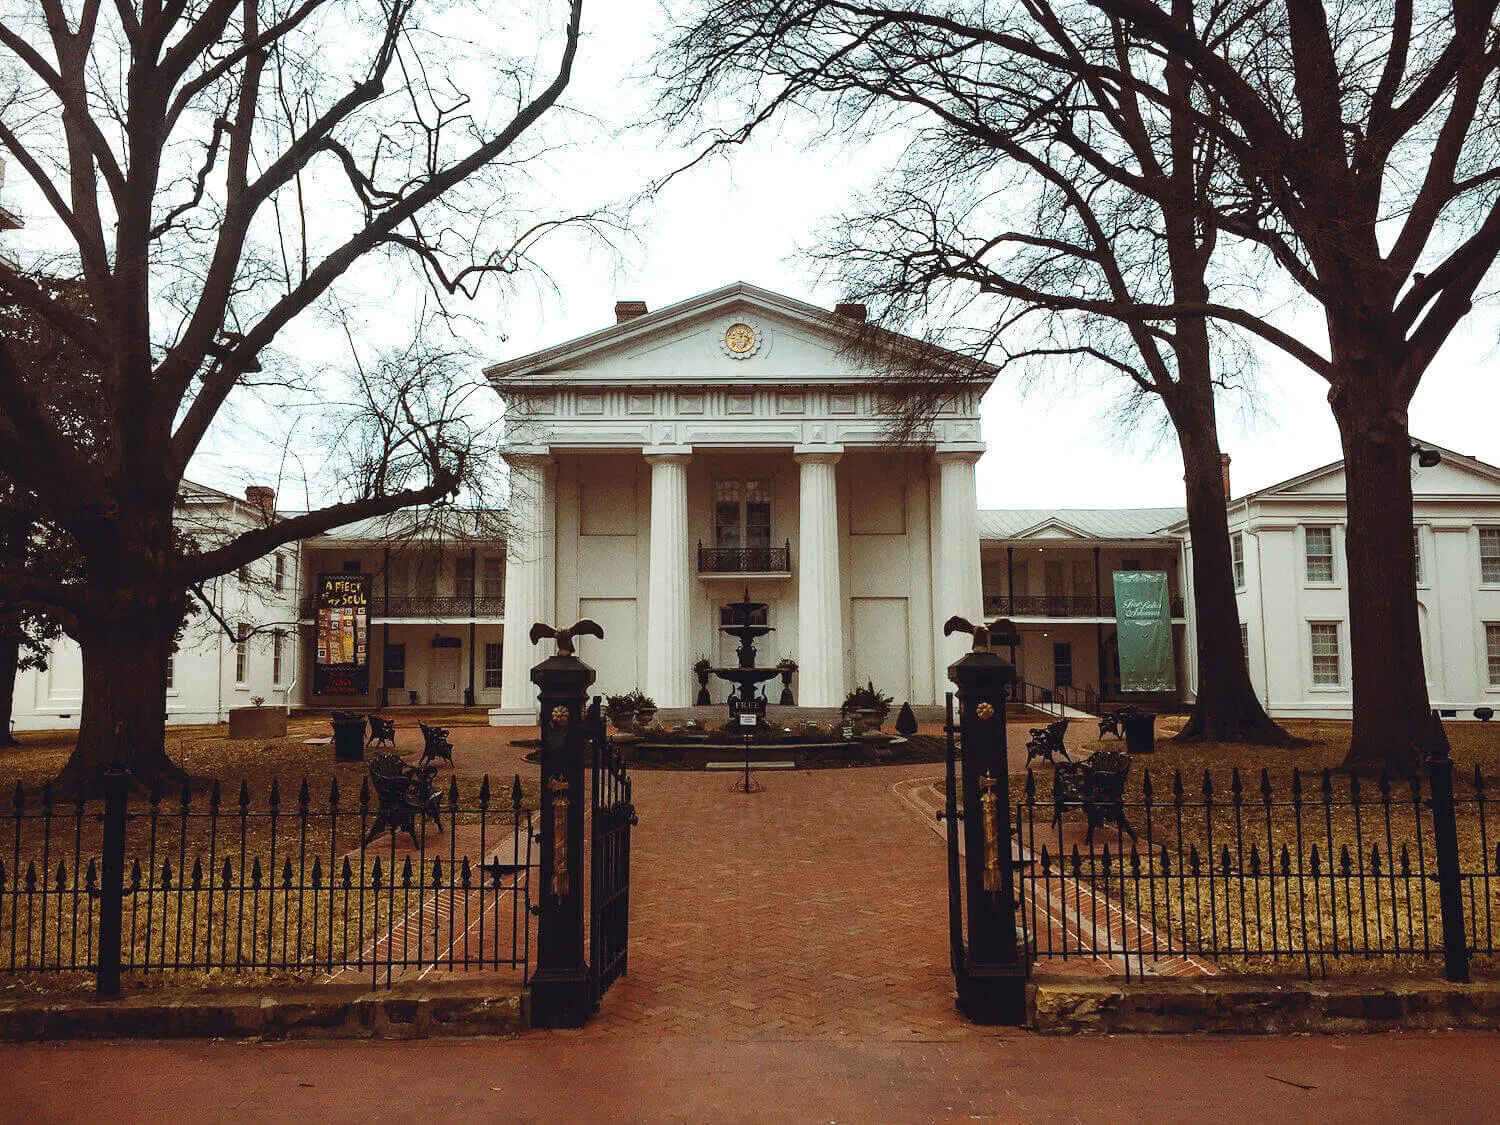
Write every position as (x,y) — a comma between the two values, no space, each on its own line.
(1045,202)
(216,168)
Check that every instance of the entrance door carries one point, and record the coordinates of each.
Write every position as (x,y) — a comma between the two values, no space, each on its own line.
(442,675)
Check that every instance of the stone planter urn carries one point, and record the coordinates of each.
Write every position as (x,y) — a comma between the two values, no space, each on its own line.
(644,715)
(871,717)
(257,722)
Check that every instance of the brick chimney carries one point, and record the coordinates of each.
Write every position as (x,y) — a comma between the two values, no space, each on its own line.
(1224,470)
(854,310)
(262,497)
(629,310)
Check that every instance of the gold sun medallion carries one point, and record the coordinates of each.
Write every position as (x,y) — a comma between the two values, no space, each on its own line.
(985,711)
(739,338)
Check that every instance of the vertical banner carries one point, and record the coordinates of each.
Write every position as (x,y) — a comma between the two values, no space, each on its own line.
(1143,626)
(342,666)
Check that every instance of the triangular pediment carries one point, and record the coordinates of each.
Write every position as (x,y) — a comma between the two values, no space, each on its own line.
(740,334)
(1454,475)
(1052,529)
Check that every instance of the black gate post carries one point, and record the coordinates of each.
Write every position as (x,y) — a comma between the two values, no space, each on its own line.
(1445,843)
(560,985)
(992,980)
(112,880)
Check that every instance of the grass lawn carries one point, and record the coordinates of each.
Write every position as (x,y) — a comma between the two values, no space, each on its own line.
(1321,879)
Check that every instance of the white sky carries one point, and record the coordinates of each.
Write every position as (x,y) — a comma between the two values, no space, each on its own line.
(1048,448)
(745,219)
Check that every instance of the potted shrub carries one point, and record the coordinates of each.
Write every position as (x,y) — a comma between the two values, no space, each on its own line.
(645,709)
(701,667)
(788,668)
(630,709)
(257,720)
(869,704)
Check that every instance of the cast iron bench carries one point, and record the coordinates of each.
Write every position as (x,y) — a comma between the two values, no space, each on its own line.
(435,744)
(404,793)
(1097,786)
(1114,722)
(1048,741)
(382,731)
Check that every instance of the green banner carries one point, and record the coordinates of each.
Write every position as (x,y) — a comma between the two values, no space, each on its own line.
(1143,627)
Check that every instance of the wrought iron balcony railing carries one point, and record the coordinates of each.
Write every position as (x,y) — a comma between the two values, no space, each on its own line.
(745,560)
(455,607)
(1057,605)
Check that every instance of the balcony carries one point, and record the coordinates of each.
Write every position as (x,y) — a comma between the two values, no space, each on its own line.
(446,607)
(731,561)
(1058,605)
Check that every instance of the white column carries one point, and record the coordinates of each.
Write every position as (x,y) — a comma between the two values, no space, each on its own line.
(959,589)
(820,606)
(668,655)
(528,584)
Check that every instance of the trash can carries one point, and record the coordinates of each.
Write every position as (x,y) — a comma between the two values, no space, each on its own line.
(349,738)
(1140,733)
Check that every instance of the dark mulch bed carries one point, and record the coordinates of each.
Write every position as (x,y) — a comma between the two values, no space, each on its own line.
(919,749)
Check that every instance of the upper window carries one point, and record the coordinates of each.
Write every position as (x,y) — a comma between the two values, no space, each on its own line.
(1326,669)
(1492,652)
(1416,552)
(742,513)
(1319,548)
(1245,642)
(1237,557)
(463,576)
(1489,555)
(242,654)
(280,573)
(494,577)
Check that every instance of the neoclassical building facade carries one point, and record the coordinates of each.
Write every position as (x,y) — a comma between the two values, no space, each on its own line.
(666,464)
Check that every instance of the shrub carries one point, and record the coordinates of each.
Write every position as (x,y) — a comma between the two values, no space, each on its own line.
(868,698)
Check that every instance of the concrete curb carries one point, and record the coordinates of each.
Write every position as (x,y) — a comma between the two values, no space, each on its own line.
(1271,1007)
(326,1012)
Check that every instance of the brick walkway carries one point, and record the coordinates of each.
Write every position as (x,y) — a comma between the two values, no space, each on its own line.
(815,908)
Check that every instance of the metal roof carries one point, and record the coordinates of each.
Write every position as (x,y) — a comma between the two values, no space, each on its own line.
(1088,523)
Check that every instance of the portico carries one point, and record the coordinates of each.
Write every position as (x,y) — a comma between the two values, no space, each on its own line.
(664,465)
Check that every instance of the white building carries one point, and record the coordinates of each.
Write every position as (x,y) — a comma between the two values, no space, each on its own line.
(667,463)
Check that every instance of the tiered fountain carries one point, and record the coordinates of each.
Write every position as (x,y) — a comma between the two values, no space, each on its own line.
(746,675)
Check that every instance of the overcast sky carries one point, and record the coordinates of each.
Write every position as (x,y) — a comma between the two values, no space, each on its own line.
(1049,447)
(746,218)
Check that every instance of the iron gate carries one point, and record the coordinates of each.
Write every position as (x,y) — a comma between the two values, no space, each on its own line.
(613,815)
(949,816)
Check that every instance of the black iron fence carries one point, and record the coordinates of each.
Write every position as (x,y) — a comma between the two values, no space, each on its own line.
(227,881)
(1234,873)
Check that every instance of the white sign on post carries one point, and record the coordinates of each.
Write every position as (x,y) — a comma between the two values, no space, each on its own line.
(747,718)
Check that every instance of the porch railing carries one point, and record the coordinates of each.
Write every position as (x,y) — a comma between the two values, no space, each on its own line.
(745,560)
(1058,605)
(449,606)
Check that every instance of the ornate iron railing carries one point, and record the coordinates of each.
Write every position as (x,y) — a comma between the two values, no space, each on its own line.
(745,560)
(447,606)
(1057,605)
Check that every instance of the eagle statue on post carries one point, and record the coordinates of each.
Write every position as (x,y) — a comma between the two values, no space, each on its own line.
(564,637)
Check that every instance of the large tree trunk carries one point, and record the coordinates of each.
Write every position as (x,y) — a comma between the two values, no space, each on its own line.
(1226,708)
(10,659)
(124,711)
(1391,710)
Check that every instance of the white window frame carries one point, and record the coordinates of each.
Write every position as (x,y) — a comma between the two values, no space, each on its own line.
(278,645)
(1338,641)
(497,667)
(172,673)
(1495,532)
(279,577)
(1307,556)
(1237,558)
(1245,642)
(242,655)
(1492,683)
(1418,555)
